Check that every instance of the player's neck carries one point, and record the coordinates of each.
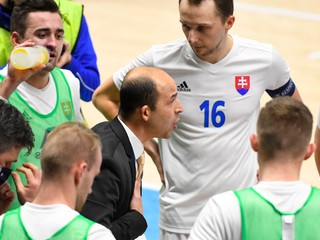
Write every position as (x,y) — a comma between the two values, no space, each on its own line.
(221,52)
(52,194)
(39,81)
(279,172)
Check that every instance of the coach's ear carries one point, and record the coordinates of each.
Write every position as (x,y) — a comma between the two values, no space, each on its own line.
(254,142)
(145,112)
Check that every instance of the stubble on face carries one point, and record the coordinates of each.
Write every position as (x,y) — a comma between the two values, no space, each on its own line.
(166,114)
(44,29)
(205,31)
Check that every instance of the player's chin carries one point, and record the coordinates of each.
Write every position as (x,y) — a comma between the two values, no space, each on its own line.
(50,66)
(199,51)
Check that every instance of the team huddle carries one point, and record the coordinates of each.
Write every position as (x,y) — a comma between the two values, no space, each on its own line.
(229,168)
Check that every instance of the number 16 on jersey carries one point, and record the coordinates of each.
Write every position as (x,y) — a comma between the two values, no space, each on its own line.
(218,117)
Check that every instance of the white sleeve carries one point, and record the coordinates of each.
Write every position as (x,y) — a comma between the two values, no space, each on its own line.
(1,219)
(144,59)
(75,92)
(279,72)
(219,219)
(99,232)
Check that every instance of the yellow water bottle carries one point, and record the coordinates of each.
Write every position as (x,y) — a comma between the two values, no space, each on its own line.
(29,57)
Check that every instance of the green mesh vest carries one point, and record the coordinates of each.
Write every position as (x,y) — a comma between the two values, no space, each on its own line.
(261,220)
(42,124)
(5,46)
(71,16)
(13,228)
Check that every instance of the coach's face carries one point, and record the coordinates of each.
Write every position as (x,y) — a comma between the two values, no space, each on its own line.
(166,115)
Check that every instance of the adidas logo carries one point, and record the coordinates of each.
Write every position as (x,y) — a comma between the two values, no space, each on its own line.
(183,87)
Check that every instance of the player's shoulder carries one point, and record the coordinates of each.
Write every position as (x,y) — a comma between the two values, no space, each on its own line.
(222,197)
(170,46)
(246,43)
(66,72)
(98,231)
(71,78)
(1,219)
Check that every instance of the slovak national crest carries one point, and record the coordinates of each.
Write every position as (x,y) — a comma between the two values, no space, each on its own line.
(67,110)
(242,84)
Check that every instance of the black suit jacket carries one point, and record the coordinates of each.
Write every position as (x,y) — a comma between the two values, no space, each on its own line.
(112,189)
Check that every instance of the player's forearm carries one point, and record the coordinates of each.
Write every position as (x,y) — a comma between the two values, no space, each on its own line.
(109,109)
(7,87)
(152,148)
(106,99)
(296,95)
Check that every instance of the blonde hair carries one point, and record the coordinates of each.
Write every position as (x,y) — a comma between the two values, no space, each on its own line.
(67,144)
(284,125)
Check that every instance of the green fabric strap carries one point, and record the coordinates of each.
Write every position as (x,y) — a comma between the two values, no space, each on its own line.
(41,124)
(13,228)
(261,220)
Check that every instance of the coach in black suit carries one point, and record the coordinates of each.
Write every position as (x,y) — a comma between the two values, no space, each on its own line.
(149,108)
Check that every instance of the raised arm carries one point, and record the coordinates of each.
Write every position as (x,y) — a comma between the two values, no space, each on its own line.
(296,95)
(106,99)
(15,77)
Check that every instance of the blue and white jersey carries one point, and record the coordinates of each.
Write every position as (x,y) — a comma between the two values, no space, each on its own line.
(210,150)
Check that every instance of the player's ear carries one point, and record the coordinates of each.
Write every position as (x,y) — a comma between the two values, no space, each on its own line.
(254,142)
(15,38)
(229,23)
(311,148)
(79,172)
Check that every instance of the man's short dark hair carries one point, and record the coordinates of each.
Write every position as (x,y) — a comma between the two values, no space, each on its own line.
(21,11)
(14,129)
(224,8)
(136,93)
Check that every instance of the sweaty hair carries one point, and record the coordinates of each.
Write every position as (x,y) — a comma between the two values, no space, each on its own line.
(135,93)
(224,8)
(21,11)
(65,146)
(14,129)
(284,125)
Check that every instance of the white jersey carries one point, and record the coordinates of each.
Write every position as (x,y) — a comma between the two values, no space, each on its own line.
(44,100)
(221,217)
(210,150)
(42,221)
